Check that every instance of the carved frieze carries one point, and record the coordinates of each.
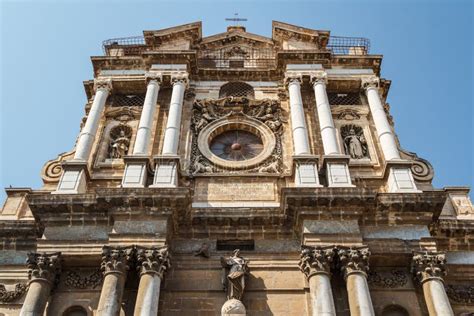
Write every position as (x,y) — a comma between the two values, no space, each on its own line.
(462,294)
(315,260)
(10,296)
(249,113)
(76,280)
(428,265)
(388,279)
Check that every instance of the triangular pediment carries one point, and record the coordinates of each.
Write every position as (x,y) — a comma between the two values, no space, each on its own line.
(235,36)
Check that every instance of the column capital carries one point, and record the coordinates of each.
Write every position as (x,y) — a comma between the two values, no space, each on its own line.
(44,267)
(353,260)
(116,259)
(180,77)
(153,261)
(427,265)
(319,77)
(370,82)
(153,76)
(105,83)
(315,260)
(293,77)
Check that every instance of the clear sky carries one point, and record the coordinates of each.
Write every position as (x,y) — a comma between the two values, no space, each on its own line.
(45,50)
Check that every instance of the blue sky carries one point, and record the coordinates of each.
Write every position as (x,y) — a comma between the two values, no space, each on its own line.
(45,50)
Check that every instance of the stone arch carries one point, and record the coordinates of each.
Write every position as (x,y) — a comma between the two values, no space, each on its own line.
(75,310)
(394,310)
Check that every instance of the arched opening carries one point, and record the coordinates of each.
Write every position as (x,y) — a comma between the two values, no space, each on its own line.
(75,311)
(394,310)
(236,89)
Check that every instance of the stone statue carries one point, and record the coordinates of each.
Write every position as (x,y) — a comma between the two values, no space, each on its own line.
(273,167)
(235,271)
(119,146)
(355,144)
(199,167)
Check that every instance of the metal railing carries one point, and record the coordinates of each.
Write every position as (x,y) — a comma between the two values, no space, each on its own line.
(340,45)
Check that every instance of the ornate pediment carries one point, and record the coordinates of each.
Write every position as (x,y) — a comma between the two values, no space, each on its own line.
(236,36)
(182,37)
(292,37)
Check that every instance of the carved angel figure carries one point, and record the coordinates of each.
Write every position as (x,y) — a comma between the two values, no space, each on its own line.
(269,114)
(119,145)
(355,145)
(235,271)
(272,167)
(199,167)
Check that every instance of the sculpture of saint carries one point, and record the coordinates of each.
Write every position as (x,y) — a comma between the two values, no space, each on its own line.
(355,145)
(235,271)
(119,146)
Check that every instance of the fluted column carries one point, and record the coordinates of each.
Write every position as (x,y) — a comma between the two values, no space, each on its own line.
(166,169)
(152,265)
(335,163)
(44,269)
(429,268)
(135,173)
(354,264)
(115,263)
(173,124)
(400,177)
(316,264)
(88,132)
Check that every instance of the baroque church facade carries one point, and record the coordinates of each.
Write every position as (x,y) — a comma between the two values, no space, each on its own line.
(237,174)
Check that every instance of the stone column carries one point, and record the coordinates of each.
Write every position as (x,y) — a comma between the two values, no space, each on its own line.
(354,264)
(316,263)
(400,178)
(166,169)
(73,179)
(152,264)
(306,167)
(115,263)
(44,269)
(135,169)
(335,162)
(429,269)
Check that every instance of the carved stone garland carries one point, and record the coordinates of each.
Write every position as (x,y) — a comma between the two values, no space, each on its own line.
(463,294)
(77,281)
(10,296)
(394,279)
(207,111)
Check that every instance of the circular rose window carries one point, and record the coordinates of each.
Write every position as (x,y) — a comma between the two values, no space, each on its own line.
(236,145)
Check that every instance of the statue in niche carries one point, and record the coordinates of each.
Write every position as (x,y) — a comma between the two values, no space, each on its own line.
(355,144)
(235,271)
(119,141)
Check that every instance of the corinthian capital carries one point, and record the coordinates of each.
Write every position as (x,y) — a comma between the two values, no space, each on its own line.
(370,82)
(44,267)
(153,76)
(103,84)
(316,260)
(428,265)
(153,261)
(293,77)
(353,260)
(180,77)
(116,260)
(319,77)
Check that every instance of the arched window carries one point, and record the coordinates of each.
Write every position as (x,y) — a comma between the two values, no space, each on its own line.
(236,89)
(75,311)
(394,310)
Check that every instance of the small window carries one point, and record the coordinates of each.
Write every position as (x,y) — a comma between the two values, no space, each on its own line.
(237,89)
(75,311)
(394,310)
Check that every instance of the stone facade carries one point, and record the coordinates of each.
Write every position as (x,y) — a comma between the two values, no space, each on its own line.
(237,174)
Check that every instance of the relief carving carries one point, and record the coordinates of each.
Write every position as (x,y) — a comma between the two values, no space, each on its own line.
(77,281)
(463,294)
(10,296)
(355,144)
(119,141)
(392,279)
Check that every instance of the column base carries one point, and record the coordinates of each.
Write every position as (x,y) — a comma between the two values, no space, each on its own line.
(74,178)
(166,172)
(399,177)
(306,171)
(337,171)
(135,173)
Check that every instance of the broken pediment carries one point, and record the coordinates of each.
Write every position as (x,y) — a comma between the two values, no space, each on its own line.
(291,37)
(236,35)
(183,37)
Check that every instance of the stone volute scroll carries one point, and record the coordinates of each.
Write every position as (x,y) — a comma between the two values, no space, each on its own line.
(354,264)
(115,264)
(43,271)
(152,263)
(235,271)
(316,264)
(429,268)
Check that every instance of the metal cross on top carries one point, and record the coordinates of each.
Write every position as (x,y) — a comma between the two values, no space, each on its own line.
(236,19)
